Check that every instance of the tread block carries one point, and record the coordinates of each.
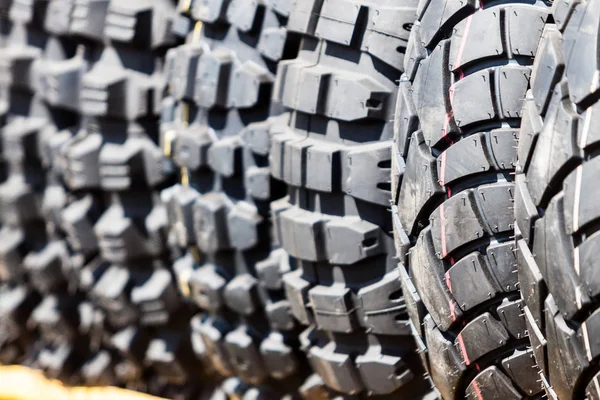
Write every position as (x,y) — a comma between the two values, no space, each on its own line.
(554,255)
(18,202)
(525,211)
(111,293)
(491,383)
(17,67)
(278,357)
(147,25)
(553,152)
(566,357)
(244,14)
(473,99)
(185,66)
(212,331)
(246,226)
(280,315)
(156,298)
(511,315)
(548,69)
(538,342)
(512,83)
(45,267)
(414,304)
(471,282)
(242,348)
(179,201)
(210,222)
(82,159)
(337,20)
(531,126)
(337,370)
(468,34)
(302,234)
(136,163)
(207,287)
(526,27)
(439,14)
(486,151)
(258,183)
(430,92)
(212,79)
(241,294)
(60,82)
(351,240)
(482,335)
(190,147)
(257,136)
(415,52)
(471,215)
(77,220)
(367,168)
(406,121)
(249,84)
(209,11)
(383,306)
(120,239)
(333,307)
(170,355)
(88,18)
(270,271)
(225,156)
(272,42)
(445,366)
(428,278)
(304,16)
(323,167)
(586,332)
(382,374)
(13,248)
(296,291)
(532,285)
(522,369)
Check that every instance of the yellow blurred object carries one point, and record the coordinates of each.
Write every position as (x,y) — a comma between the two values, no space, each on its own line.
(22,383)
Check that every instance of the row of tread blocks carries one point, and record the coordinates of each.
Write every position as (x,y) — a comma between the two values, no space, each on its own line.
(33,285)
(557,218)
(108,245)
(467,69)
(334,158)
(216,128)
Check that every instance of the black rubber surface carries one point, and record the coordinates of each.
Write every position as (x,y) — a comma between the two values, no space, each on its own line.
(556,203)
(467,69)
(334,159)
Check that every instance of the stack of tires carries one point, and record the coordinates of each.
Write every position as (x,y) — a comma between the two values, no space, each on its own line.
(302,198)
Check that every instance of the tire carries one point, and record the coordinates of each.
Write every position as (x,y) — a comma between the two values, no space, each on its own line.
(333,156)
(216,125)
(83,228)
(556,215)
(456,124)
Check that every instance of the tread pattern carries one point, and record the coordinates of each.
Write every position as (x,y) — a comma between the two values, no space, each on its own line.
(334,159)
(215,126)
(455,132)
(556,215)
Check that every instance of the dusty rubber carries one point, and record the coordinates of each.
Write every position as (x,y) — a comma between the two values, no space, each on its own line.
(457,118)
(555,204)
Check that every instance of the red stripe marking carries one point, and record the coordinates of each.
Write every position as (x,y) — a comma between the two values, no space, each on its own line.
(448,283)
(463,350)
(477,391)
(452,314)
(463,42)
(477,366)
(443,230)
